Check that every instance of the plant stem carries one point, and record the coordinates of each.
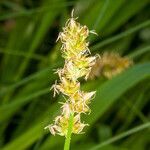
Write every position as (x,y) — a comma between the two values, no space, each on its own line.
(68,137)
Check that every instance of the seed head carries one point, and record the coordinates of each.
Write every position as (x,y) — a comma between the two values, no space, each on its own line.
(78,64)
(109,65)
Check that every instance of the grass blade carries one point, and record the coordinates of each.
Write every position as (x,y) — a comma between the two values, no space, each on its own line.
(122,135)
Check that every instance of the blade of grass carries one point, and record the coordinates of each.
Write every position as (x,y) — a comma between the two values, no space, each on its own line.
(122,135)
(22,54)
(20,30)
(96,10)
(34,11)
(46,21)
(121,35)
(135,111)
(101,14)
(111,9)
(139,52)
(30,78)
(14,106)
(33,133)
(129,9)
(35,76)
(119,84)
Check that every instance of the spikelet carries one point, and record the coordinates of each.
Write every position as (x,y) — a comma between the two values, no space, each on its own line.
(109,65)
(78,63)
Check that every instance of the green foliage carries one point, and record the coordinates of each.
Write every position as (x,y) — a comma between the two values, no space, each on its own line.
(119,118)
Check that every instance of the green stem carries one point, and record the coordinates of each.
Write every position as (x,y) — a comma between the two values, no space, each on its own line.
(68,137)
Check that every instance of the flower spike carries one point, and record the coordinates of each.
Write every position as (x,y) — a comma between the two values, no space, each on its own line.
(78,63)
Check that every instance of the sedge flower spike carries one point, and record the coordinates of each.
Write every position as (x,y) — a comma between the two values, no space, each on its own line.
(109,65)
(78,63)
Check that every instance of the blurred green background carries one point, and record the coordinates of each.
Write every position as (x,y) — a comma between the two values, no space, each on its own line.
(120,114)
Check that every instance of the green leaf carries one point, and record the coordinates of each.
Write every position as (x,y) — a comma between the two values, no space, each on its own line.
(122,135)
(14,106)
(128,10)
(121,35)
(110,91)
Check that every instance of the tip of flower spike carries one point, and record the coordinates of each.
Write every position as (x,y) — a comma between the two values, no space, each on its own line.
(93,32)
(72,13)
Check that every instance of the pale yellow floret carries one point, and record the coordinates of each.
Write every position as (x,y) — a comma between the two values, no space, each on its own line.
(61,125)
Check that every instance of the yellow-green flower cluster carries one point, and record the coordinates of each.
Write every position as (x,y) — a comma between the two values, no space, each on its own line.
(78,64)
(109,65)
